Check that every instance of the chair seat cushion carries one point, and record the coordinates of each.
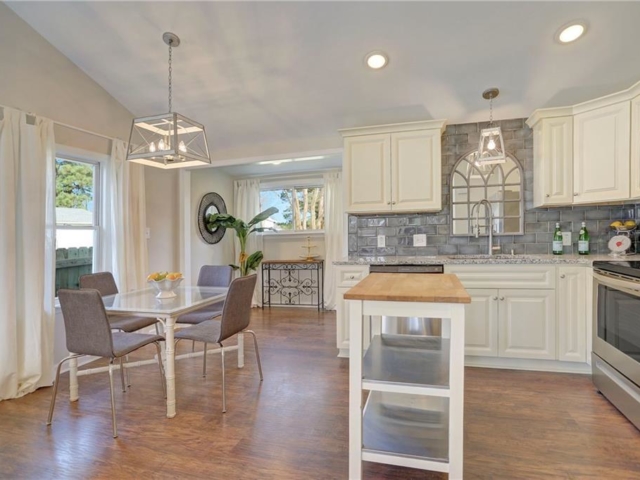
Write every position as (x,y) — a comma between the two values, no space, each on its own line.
(124,343)
(202,315)
(130,323)
(208,332)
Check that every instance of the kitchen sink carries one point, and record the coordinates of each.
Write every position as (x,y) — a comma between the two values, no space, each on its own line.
(500,256)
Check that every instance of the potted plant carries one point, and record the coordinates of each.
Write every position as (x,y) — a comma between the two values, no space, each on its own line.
(246,263)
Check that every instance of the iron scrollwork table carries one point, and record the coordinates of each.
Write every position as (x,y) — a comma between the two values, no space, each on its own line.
(296,282)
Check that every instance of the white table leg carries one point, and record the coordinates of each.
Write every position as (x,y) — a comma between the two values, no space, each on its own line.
(240,350)
(169,366)
(355,389)
(456,399)
(73,380)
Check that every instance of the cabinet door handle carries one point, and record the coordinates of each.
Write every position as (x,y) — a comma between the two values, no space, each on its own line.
(575,194)
(502,299)
(393,203)
(562,276)
(351,277)
(547,195)
(495,298)
(388,203)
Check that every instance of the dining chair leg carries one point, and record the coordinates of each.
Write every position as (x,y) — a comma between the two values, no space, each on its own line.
(126,371)
(157,328)
(55,387)
(162,378)
(124,387)
(255,343)
(204,361)
(193,345)
(224,386)
(113,400)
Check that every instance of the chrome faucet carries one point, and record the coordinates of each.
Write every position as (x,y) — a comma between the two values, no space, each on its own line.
(489,216)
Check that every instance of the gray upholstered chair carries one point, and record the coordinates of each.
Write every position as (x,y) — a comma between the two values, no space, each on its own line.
(209,276)
(106,285)
(236,316)
(88,332)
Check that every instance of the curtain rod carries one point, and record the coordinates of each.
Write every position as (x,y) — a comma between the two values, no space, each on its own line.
(66,125)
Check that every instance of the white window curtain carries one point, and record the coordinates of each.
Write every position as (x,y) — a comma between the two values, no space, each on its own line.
(27,252)
(334,239)
(124,249)
(247,206)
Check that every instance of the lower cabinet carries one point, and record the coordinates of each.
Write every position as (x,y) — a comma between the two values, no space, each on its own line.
(573,321)
(481,324)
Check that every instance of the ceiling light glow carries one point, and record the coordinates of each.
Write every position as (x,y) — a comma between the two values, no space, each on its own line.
(572,32)
(376,60)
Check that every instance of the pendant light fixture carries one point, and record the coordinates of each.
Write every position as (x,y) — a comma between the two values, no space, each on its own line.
(168,140)
(491,145)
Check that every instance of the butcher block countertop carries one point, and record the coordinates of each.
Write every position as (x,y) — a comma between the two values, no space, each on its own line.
(409,287)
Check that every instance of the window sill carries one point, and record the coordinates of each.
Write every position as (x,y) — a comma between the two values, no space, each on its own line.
(297,233)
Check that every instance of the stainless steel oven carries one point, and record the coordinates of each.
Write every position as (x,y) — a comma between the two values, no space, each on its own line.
(616,335)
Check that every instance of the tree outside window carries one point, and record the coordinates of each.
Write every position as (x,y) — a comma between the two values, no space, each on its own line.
(300,208)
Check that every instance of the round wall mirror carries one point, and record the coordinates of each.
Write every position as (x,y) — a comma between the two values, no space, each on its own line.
(210,204)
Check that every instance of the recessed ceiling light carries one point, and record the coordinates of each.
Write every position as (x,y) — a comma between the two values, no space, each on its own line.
(571,32)
(376,60)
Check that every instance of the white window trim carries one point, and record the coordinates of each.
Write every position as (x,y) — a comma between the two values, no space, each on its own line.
(293,233)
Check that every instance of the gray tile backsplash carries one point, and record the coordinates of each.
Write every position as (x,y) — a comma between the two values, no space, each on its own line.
(539,223)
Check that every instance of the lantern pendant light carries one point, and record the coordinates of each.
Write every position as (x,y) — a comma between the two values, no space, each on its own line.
(491,145)
(168,140)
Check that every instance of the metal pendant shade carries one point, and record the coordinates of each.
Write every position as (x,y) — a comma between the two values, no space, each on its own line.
(168,140)
(491,145)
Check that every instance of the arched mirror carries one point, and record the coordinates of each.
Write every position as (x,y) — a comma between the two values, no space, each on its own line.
(501,184)
(210,204)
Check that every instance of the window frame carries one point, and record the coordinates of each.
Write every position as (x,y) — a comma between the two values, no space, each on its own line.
(289,183)
(97,161)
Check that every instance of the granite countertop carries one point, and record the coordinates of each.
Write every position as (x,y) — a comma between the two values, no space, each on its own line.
(498,259)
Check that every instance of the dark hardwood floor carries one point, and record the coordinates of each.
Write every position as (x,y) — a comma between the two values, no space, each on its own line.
(518,425)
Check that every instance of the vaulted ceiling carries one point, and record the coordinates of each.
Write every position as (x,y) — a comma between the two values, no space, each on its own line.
(268,78)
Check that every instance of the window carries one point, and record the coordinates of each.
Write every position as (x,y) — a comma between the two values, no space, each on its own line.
(300,208)
(77,219)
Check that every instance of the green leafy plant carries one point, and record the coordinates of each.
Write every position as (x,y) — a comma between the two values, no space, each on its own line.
(246,263)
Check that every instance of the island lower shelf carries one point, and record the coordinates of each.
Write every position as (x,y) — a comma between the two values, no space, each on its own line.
(405,429)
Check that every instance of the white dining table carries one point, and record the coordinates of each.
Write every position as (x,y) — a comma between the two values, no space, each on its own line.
(144,303)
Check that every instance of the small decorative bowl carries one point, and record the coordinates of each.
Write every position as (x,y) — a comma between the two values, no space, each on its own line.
(166,288)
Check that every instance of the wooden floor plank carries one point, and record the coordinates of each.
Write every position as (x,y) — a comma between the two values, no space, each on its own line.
(518,425)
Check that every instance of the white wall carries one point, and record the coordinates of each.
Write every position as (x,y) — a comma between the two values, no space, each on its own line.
(204,181)
(161,187)
(289,247)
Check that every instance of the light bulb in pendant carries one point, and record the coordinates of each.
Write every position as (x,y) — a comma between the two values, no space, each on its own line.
(152,147)
(161,145)
(182,147)
(492,144)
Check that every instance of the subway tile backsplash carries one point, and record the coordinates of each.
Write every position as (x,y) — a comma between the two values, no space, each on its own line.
(539,223)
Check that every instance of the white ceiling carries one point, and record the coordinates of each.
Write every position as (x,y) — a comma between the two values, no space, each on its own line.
(329,162)
(268,78)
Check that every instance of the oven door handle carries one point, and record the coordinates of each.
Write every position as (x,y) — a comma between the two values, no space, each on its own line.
(632,288)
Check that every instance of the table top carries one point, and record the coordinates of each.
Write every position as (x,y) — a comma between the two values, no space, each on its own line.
(410,287)
(145,302)
(277,262)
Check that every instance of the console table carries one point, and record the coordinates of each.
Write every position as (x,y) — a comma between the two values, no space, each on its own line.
(293,282)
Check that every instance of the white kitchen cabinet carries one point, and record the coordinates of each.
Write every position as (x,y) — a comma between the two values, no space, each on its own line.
(635,147)
(601,162)
(367,164)
(481,323)
(347,276)
(553,161)
(416,168)
(572,314)
(527,324)
(393,168)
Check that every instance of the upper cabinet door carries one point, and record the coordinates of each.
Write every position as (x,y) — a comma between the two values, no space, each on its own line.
(416,171)
(635,147)
(367,173)
(602,152)
(553,161)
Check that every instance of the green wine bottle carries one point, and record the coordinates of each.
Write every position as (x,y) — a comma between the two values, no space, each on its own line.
(557,241)
(583,240)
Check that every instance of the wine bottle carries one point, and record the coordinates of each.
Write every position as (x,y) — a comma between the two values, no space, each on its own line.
(583,240)
(557,241)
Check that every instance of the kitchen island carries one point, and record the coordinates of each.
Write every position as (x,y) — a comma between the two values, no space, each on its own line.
(413,415)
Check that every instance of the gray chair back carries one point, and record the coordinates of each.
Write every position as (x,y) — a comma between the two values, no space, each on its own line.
(215,276)
(86,322)
(236,314)
(102,281)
